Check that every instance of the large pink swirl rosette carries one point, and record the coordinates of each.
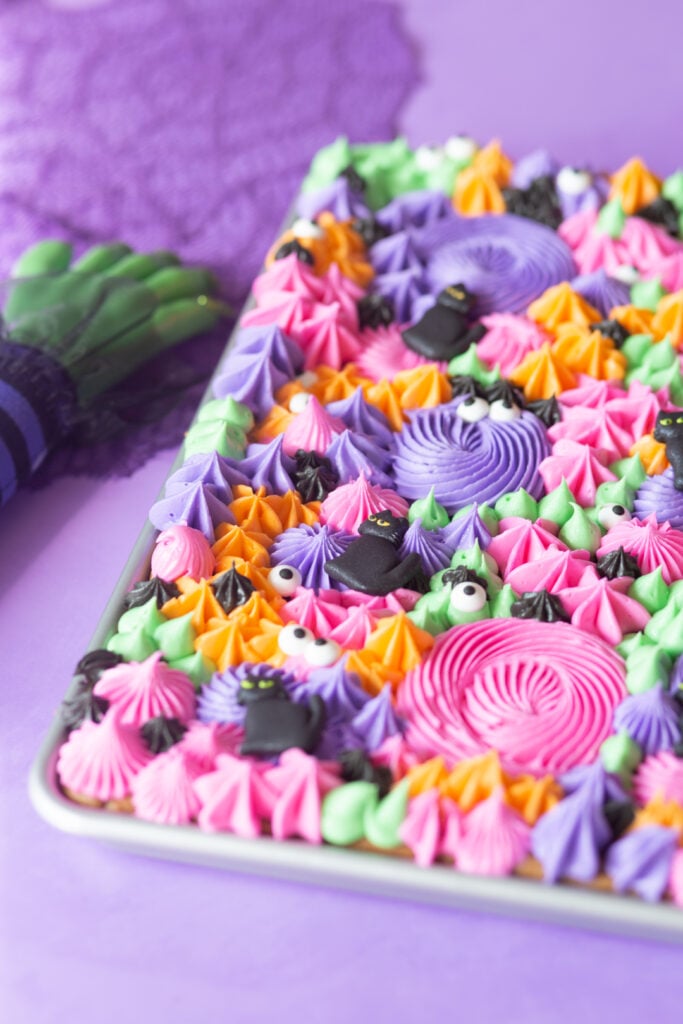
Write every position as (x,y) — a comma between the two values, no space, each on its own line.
(542,694)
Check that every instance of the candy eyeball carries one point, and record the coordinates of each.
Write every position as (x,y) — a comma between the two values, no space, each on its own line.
(428,158)
(322,653)
(610,515)
(299,401)
(460,148)
(504,412)
(284,579)
(303,228)
(626,274)
(468,597)
(294,639)
(473,409)
(572,181)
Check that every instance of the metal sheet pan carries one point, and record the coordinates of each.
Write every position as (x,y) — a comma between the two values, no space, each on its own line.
(361,871)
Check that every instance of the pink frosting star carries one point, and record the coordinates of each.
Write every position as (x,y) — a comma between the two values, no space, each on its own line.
(521,541)
(554,570)
(652,544)
(495,839)
(236,797)
(300,782)
(583,468)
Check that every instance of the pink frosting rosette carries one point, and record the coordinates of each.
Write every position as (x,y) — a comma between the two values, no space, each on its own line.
(384,354)
(100,760)
(346,507)
(312,430)
(542,694)
(659,775)
(182,551)
(140,690)
(508,339)
(653,545)
(164,790)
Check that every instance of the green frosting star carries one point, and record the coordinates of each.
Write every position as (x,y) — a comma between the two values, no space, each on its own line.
(328,163)
(647,294)
(383,821)
(230,411)
(615,492)
(666,626)
(477,560)
(501,604)
(468,364)
(175,637)
(635,348)
(611,219)
(517,503)
(659,368)
(197,666)
(631,471)
(145,616)
(579,532)
(621,755)
(647,666)
(558,505)
(431,612)
(215,436)
(651,591)
(342,819)
(672,189)
(433,515)
(135,645)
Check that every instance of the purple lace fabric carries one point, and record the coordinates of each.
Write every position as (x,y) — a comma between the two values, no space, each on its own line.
(182,126)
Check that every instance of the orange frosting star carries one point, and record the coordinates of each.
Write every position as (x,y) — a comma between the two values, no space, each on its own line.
(393,649)
(422,388)
(233,542)
(347,249)
(561,305)
(652,454)
(532,797)
(590,352)
(291,511)
(383,395)
(274,424)
(660,812)
(428,775)
(253,512)
(633,318)
(541,374)
(474,779)
(336,385)
(491,160)
(668,320)
(224,642)
(197,598)
(635,185)
(476,193)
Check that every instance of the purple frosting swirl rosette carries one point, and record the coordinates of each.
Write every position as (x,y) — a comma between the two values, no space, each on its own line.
(657,494)
(466,462)
(506,261)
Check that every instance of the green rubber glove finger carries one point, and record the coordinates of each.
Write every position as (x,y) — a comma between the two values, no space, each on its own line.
(45,311)
(49,257)
(121,306)
(177,321)
(100,257)
(170,324)
(139,265)
(174,283)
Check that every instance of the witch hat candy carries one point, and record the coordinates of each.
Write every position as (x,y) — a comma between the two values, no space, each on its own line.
(71,331)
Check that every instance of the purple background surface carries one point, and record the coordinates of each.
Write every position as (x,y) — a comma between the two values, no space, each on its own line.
(90,934)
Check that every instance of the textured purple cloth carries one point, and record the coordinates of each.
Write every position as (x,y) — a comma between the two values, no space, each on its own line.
(179,125)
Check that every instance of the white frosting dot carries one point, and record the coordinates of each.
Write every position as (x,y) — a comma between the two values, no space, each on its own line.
(460,147)
(572,181)
(302,228)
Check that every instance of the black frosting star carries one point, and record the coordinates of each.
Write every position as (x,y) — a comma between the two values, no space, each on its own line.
(504,391)
(314,476)
(611,329)
(618,563)
(356,767)
(300,251)
(540,605)
(620,815)
(375,311)
(369,229)
(547,410)
(468,386)
(145,590)
(160,734)
(84,705)
(461,574)
(232,589)
(94,663)
(537,202)
(661,211)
